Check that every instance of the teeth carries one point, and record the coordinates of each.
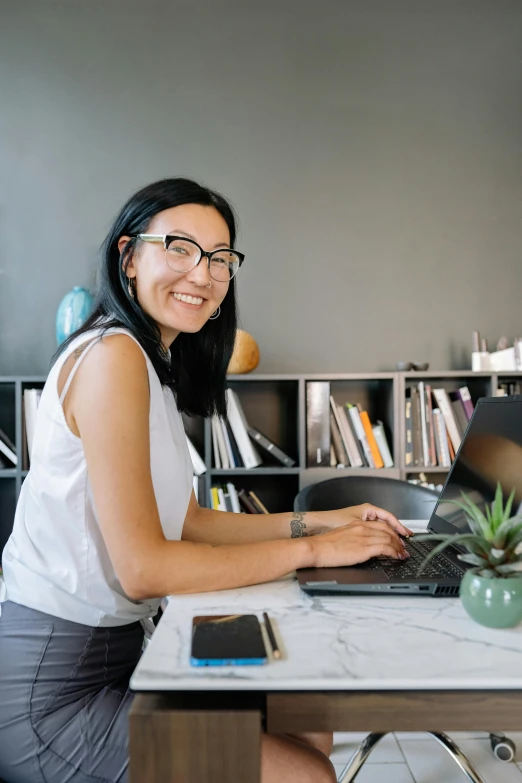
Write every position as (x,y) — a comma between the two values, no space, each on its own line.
(195,300)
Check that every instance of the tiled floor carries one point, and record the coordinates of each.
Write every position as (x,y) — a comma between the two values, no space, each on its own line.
(418,758)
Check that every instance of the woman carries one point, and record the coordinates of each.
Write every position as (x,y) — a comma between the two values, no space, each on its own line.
(107,522)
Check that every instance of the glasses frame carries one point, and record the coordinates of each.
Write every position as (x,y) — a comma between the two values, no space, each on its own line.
(166,239)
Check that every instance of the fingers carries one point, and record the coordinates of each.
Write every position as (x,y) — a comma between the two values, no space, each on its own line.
(374,512)
(384,527)
(377,549)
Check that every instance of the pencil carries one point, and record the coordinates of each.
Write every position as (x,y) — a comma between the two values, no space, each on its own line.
(268,625)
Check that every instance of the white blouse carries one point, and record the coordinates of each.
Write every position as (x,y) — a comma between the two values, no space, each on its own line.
(56,560)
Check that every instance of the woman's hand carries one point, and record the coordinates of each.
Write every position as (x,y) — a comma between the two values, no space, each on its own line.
(365,512)
(356,542)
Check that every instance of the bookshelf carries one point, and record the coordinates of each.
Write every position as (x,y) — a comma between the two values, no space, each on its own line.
(276,405)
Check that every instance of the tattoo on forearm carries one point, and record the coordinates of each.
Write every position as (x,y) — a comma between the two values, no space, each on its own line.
(297,526)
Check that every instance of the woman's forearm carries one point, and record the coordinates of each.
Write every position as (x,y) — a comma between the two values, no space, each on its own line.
(187,567)
(205,525)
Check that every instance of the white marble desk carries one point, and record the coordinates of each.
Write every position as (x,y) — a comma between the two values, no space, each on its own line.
(349,663)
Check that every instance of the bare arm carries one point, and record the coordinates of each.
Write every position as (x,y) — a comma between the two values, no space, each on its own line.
(108,406)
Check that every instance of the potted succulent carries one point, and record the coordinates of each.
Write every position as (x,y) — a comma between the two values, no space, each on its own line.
(491,591)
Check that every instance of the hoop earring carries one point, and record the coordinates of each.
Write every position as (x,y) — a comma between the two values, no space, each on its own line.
(215,314)
(130,289)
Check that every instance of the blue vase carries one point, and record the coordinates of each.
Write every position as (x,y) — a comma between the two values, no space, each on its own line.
(72,312)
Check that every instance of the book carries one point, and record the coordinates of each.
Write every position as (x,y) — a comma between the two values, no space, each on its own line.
(228,446)
(416,427)
(7,448)
(247,502)
(198,465)
(459,413)
(355,416)
(214,498)
(382,443)
(318,423)
(341,457)
(223,452)
(467,403)
(215,444)
(408,454)
(376,454)
(443,401)
(222,506)
(254,498)
(233,498)
(349,439)
(238,462)
(424,428)
(430,427)
(239,426)
(441,439)
(31,401)
(267,445)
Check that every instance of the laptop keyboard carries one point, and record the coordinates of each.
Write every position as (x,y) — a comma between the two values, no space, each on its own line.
(439,566)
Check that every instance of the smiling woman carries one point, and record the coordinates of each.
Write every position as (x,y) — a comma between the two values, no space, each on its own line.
(107,522)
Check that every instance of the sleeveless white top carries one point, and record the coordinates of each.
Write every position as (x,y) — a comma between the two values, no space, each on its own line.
(56,560)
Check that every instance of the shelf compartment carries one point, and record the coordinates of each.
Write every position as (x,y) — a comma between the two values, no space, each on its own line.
(276,491)
(271,406)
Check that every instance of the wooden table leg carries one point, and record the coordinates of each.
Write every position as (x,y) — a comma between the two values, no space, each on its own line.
(193,738)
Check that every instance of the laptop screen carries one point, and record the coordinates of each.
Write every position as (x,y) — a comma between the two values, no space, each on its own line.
(491,451)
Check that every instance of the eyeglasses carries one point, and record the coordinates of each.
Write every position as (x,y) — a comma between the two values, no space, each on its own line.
(184,254)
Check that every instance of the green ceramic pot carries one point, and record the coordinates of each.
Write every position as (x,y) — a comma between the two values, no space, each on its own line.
(496,603)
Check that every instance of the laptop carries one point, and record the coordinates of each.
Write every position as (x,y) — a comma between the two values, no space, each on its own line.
(490,451)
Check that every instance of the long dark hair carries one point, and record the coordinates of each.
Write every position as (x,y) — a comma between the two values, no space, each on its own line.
(196,369)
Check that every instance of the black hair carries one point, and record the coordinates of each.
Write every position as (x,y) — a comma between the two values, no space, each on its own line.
(197,365)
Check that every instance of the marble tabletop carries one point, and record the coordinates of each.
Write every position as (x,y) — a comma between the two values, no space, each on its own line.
(338,643)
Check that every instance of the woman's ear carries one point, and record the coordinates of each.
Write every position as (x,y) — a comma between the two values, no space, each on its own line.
(127,262)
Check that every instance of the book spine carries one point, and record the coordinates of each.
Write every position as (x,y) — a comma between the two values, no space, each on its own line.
(246,502)
(337,445)
(222,506)
(318,423)
(349,438)
(361,437)
(233,498)
(237,420)
(223,453)
(459,415)
(431,432)
(443,401)
(382,442)
(255,500)
(416,427)
(269,446)
(376,454)
(214,498)
(228,446)
(424,428)
(442,439)
(467,403)
(408,454)
(215,444)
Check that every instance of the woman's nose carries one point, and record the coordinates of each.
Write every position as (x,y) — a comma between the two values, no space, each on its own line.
(200,273)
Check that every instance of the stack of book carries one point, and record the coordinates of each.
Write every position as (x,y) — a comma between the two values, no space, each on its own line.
(435,424)
(235,443)
(342,435)
(225,497)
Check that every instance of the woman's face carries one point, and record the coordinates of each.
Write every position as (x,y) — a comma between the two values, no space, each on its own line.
(159,289)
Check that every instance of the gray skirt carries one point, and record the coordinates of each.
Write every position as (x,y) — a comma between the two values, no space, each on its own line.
(64,698)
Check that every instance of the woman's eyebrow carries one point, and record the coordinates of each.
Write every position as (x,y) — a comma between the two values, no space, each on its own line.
(179,231)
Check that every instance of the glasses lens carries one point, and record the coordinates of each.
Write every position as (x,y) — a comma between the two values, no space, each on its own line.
(224,265)
(182,255)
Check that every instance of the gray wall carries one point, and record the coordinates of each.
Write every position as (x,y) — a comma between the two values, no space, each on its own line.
(372,148)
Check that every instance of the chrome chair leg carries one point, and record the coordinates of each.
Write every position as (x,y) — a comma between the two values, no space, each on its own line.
(351,770)
(353,767)
(458,756)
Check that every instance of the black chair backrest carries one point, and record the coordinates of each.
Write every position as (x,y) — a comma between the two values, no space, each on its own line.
(405,500)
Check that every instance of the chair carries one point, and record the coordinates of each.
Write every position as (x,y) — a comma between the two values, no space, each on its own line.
(406,501)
